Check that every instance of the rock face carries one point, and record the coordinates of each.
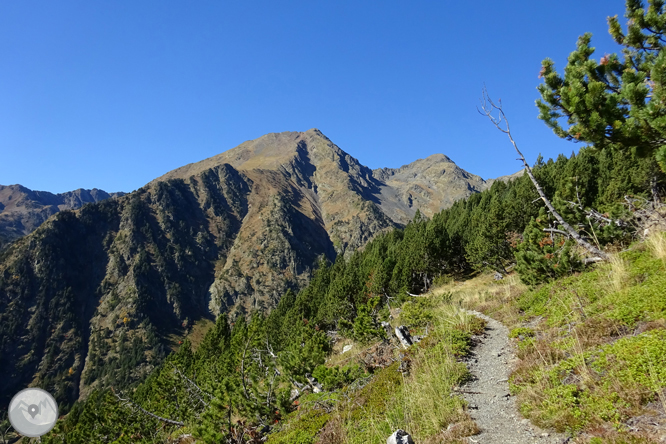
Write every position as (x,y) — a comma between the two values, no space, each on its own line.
(429,184)
(400,437)
(343,200)
(22,210)
(91,296)
(402,332)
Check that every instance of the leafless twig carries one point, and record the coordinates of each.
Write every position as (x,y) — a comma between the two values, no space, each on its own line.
(488,107)
(128,402)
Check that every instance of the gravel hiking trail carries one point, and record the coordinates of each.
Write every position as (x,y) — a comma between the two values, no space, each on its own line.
(490,404)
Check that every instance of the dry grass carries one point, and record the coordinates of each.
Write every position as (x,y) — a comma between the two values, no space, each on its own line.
(419,401)
(459,319)
(198,331)
(455,433)
(428,408)
(618,273)
(599,330)
(339,358)
(333,432)
(492,297)
(656,243)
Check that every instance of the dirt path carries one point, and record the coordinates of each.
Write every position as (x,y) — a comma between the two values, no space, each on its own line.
(491,406)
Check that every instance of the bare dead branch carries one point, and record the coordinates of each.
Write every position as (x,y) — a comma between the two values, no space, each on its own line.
(194,389)
(591,213)
(488,107)
(592,260)
(553,230)
(128,402)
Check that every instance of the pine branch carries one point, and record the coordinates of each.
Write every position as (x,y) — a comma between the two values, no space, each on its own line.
(247,344)
(553,230)
(594,214)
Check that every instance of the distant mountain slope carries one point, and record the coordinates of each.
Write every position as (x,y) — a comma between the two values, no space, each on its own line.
(311,160)
(429,184)
(91,295)
(506,178)
(22,210)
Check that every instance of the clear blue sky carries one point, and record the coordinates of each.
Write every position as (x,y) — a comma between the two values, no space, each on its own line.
(113,94)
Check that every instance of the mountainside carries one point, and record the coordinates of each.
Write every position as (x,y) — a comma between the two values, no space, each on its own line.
(22,210)
(91,296)
(313,162)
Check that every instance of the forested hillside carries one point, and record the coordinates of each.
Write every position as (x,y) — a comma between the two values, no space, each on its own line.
(96,296)
(241,376)
(87,301)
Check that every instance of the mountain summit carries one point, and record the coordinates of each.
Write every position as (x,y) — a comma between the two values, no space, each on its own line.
(311,160)
(94,294)
(304,180)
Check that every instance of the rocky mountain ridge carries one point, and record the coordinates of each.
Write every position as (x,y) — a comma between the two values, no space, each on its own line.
(22,210)
(92,296)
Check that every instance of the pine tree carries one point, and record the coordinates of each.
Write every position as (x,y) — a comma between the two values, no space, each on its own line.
(614,101)
(490,248)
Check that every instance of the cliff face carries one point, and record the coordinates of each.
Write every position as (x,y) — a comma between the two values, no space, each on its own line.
(92,296)
(22,210)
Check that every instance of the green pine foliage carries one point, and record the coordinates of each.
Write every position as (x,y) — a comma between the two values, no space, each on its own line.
(542,256)
(615,101)
(332,378)
(239,380)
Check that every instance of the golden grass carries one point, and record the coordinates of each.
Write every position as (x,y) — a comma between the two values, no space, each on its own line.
(486,295)
(618,273)
(656,243)
(341,359)
(419,401)
(198,331)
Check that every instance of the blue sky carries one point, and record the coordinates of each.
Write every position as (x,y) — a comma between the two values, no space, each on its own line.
(114,94)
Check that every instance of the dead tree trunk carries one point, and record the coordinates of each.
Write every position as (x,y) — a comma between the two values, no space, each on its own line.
(128,402)
(487,108)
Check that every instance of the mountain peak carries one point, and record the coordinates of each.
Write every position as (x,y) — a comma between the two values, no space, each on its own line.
(439,157)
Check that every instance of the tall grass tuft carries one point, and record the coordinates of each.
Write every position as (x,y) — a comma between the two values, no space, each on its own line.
(436,373)
(618,273)
(656,243)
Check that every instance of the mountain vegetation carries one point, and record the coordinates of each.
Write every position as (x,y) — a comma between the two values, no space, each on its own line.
(241,378)
(613,101)
(301,251)
(96,297)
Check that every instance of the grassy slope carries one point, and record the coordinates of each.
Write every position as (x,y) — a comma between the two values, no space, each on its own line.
(591,349)
(373,407)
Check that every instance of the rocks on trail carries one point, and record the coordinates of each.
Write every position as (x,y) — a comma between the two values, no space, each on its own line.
(400,437)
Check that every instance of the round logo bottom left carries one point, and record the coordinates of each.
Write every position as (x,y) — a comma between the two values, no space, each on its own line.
(33,412)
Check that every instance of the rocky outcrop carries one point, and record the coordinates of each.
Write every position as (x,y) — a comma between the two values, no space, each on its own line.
(402,332)
(22,210)
(400,437)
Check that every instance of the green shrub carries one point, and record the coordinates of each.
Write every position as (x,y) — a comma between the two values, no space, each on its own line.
(418,312)
(442,280)
(336,377)
(521,331)
(461,342)
(302,429)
